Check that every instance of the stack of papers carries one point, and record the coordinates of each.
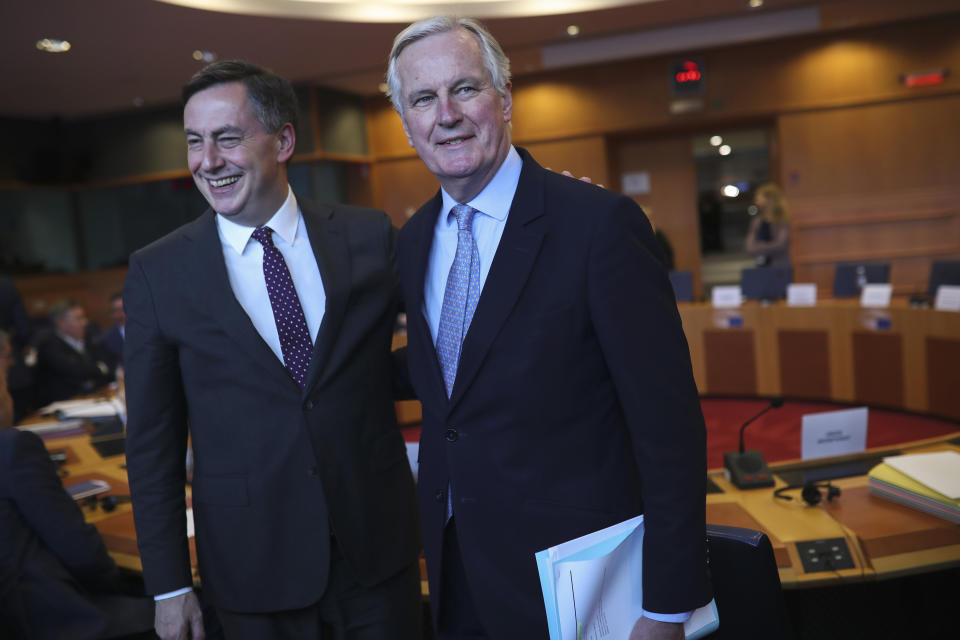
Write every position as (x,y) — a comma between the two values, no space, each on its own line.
(88,408)
(926,481)
(592,586)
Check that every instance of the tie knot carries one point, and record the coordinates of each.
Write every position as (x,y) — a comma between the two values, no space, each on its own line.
(464,214)
(262,235)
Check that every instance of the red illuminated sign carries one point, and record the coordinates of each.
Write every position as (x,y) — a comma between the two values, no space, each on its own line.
(690,72)
(924,78)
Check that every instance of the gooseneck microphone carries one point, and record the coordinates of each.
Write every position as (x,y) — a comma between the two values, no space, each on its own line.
(748,469)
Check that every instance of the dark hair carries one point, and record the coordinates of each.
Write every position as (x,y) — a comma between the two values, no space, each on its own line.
(271,97)
(61,307)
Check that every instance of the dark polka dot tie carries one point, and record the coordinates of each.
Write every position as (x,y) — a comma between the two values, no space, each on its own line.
(287,313)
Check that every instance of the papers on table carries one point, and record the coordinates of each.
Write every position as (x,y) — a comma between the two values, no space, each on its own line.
(51,427)
(940,471)
(592,586)
(89,408)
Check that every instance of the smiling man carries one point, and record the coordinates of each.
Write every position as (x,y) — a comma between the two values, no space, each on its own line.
(264,328)
(545,345)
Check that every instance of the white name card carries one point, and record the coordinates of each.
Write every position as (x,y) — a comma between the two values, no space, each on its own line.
(876,296)
(833,433)
(948,298)
(726,296)
(802,294)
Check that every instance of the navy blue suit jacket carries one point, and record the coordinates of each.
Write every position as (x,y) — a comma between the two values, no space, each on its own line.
(574,405)
(277,468)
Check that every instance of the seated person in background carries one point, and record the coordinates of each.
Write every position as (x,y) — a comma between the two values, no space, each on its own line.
(56,579)
(66,365)
(110,342)
(768,237)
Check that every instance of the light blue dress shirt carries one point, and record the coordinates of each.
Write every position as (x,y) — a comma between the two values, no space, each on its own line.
(493,205)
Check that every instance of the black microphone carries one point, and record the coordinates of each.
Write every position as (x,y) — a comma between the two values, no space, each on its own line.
(748,469)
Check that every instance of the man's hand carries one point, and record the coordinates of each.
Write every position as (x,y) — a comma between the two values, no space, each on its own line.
(179,618)
(647,629)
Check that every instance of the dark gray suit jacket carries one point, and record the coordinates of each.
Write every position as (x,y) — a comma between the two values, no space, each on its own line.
(277,468)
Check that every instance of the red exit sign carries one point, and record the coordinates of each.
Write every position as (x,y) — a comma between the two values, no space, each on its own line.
(687,77)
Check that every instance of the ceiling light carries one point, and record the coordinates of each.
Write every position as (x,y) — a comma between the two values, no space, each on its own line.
(573,31)
(204,56)
(53,45)
(725,150)
(383,87)
(731,191)
(755,4)
(716,141)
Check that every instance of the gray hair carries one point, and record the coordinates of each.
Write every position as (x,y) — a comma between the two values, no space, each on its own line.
(495,60)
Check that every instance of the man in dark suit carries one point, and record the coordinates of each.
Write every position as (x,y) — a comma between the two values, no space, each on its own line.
(546,348)
(56,579)
(67,364)
(110,342)
(266,324)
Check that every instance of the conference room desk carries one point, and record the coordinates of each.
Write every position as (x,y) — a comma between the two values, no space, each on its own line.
(900,357)
(885,539)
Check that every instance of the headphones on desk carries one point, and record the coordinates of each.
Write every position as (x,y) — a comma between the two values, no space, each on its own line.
(810,492)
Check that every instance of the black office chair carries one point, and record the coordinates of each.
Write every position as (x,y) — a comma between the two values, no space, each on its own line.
(682,282)
(848,278)
(765,283)
(943,272)
(746,585)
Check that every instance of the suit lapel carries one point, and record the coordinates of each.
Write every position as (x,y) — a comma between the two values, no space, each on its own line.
(511,266)
(422,240)
(329,245)
(212,286)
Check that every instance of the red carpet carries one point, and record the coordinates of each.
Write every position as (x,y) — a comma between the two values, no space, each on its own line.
(777,433)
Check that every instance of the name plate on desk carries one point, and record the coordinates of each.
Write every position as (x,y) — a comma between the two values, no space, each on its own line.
(948,298)
(726,297)
(833,433)
(876,296)
(802,295)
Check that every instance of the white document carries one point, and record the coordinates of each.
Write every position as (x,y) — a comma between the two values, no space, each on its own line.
(948,298)
(51,426)
(88,408)
(833,433)
(876,296)
(802,294)
(939,470)
(592,586)
(726,296)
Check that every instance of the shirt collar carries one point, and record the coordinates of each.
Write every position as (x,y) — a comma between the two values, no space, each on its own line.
(284,224)
(495,198)
(73,342)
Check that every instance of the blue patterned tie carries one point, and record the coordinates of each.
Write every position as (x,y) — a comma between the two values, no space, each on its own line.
(287,313)
(460,296)
(459,302)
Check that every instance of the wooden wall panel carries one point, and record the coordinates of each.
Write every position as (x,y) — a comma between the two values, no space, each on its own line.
(92,289)
(878,368)
(672,201)
(731,368)
(943,378)
(804,363)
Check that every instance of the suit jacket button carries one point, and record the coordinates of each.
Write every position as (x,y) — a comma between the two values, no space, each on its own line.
(440,496)
(451,435)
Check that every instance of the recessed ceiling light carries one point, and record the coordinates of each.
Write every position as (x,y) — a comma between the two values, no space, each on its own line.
(725,150)
(716,141)
(755,4)
(573,30)
(383,87)
(204,56)
(53,45)
(731,191)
